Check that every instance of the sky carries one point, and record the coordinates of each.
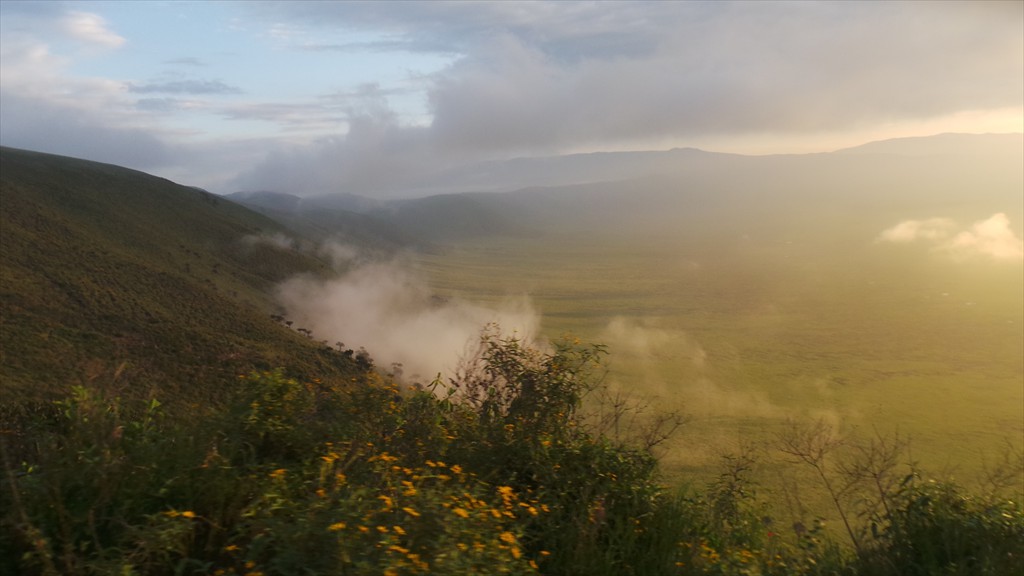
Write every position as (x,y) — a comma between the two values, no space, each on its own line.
(369,97)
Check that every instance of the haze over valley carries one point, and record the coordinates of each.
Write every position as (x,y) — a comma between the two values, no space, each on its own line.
(285,277)
(744,291)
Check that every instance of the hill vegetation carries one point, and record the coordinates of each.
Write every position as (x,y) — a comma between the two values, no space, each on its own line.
(109,275)
(494,472)
(131,445)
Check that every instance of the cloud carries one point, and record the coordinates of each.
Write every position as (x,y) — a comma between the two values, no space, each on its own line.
(377,157)
(160,104)
(555,73)
(934,229)
(991,238)
(183,87)
(37,124)
(466,82)
(185,61)
(42,108)
(549,77)
(287,115)
(647,359)
(388,308)
(92,29)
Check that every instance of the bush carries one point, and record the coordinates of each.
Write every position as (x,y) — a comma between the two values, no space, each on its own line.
(493,472)
(935,528)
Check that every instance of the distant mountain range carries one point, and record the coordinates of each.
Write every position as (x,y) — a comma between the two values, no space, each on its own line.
(640,192)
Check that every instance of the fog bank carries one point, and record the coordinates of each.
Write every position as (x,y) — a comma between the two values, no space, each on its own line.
(387,308)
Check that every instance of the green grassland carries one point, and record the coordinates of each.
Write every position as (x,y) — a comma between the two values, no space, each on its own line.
(743,336)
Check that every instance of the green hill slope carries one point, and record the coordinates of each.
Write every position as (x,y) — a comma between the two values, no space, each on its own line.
(112,276)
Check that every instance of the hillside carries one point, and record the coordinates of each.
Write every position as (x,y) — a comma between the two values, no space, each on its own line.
(118,278)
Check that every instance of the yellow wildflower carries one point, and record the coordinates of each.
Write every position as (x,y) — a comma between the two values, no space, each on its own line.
(336,526)
(188,514)
(411,512)
(507,537)
(461,513)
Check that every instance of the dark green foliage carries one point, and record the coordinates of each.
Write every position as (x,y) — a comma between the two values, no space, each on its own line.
(477,477)
(938,528)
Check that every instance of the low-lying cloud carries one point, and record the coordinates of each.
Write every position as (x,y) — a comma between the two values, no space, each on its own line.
(991,238)
(387,308)
(669,365)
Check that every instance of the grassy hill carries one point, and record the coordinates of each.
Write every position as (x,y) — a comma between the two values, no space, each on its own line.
(114,277)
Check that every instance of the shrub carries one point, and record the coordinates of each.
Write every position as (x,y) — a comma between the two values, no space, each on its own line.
(935,528)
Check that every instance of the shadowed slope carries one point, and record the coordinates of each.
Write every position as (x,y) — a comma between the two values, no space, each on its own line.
(109,274)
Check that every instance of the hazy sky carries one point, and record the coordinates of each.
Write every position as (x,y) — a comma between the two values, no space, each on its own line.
(367,97)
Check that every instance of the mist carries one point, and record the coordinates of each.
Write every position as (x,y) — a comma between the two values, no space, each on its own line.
(387,308)
(669,366)
(992,238)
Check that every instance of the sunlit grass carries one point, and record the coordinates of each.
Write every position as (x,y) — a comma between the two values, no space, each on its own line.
(869,337)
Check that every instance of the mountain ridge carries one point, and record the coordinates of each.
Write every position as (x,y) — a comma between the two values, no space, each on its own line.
(727,192)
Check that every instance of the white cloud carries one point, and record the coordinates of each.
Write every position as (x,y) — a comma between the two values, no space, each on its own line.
(92,29)
(990,238)
(912,230)
(388,308)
